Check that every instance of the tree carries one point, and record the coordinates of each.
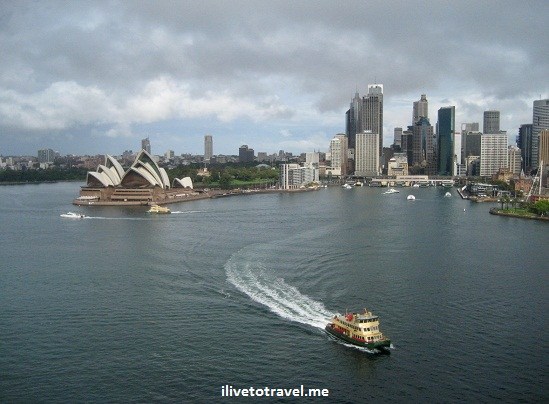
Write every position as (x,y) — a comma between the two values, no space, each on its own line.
(541,207)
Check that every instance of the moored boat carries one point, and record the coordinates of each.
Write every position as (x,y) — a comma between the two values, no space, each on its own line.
(361,329)
(159,209)
(411,198)
(391,191)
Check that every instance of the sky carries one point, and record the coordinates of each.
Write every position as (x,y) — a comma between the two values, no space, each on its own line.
(96,77)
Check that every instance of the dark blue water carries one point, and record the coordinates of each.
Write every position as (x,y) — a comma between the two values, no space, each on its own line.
(128,307)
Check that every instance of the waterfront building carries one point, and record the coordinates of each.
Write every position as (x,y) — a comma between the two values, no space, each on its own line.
(420,109)
(493,153)
(312,159)
(245,154)
(294,176)
(540,121)
(46,156)
(514,159)
(423,146)
(524,142)
(208,148)
(491,122)
(398,165)
(338,156)
(445,139)
(372,112)
(146,145)
(367,154)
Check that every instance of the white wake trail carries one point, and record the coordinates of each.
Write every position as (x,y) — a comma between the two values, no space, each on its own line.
(251,277)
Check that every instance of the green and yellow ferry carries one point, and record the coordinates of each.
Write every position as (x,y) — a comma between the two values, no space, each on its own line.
(361,329)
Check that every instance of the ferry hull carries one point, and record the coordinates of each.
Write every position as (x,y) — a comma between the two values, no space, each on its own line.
(380,345)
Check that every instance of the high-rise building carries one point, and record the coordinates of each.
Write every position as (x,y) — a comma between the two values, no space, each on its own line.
(445,139)
(544,147)
(493,153)
(353,120)
(208,147)
(540,121)
(514,160)
(491,122)
(146,145)
(372,112)
(46,156)
(421,109)
(423,148)
(338,152)
(466,128)
(397,142)
(472,144)
(169,155)
(245,154)
(367,154)
(524,142)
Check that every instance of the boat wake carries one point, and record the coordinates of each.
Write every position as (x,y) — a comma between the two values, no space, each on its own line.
(249,275)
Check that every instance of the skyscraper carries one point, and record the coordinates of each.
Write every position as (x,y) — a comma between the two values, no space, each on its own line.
(423,153)
(372,112)
(524,142)
(493,153)
(445,137)
(366,154)
(491,122)
(245,154)
(146,145)
(398,138)
(421,109)
(353,120)
(540,121)
(338,152)
(208,147)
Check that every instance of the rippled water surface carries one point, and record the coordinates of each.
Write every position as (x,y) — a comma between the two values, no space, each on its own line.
(125,306)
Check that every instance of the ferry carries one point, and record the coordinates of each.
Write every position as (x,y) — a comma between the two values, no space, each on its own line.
(361,329)
(158,209)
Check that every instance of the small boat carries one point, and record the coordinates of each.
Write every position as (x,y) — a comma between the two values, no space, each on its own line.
(361,329)
(411,198)
(358,184)
(347,186)
(159,209)
(72,215)
(447,195)
(391,191)
(415,185)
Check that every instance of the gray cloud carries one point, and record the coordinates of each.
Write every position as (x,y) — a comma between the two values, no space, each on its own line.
(93,67)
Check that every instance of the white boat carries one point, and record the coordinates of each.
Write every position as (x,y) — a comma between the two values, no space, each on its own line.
(391,191)
(159,209)
(447,195)
(411,198)
(415,185)
(72,215)
(347,186)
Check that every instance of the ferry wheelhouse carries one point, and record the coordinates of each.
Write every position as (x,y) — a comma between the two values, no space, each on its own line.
(361,329)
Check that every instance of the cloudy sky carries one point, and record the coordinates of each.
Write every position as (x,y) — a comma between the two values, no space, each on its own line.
(95,77)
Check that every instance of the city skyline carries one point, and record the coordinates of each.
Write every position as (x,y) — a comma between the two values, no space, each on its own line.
(97,78)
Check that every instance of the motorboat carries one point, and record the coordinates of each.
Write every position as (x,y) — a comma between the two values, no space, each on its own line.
(72,215)
(391,191)
(411,198)
(447,195)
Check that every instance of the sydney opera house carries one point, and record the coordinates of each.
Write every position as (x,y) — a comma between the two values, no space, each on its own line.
(141,184)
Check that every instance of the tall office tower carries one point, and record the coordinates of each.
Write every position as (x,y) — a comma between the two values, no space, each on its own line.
(169,155)
(540,121)
(146,145)
(466,128)
(493,153)
(398,138)
(491,122)
(208,147)
(423,151)
(544,147)
(421,109)
(406,145)
(338,151)
(366,154)
(472,144)
(445,139)
(514,159)
(372,112)
(524,142)
(458,167)
(353,120)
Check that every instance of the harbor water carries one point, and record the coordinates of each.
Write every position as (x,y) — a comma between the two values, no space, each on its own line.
(125,306)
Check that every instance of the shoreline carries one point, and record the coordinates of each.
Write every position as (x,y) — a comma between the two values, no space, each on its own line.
(499,212)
